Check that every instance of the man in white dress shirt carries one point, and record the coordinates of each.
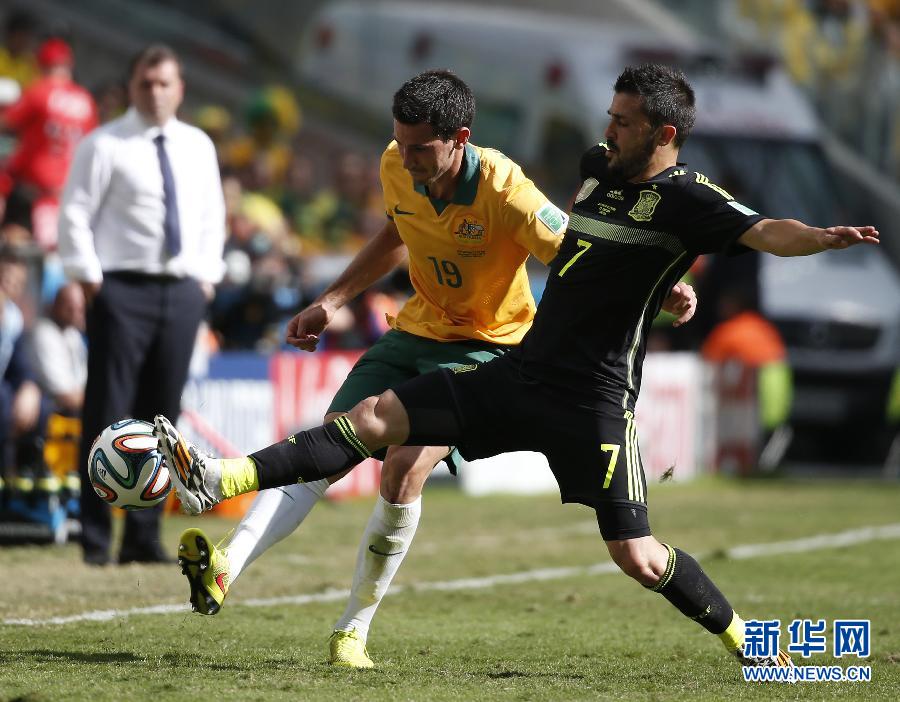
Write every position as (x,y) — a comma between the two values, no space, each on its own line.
(142,228)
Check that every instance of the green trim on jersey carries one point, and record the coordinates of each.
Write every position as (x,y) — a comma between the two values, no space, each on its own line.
(466,188)
(625,235)
(640,325)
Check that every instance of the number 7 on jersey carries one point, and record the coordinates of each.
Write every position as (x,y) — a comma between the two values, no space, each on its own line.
(584,245)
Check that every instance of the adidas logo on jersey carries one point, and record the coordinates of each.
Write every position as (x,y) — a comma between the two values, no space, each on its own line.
(615,195)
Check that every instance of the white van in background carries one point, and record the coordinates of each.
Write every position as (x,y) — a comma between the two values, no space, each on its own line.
(543,84)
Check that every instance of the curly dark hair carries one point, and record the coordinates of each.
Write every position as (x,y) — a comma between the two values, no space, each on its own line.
(667,96)
(437,97)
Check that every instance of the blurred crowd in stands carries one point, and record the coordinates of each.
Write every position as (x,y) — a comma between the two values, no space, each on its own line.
(296,207)
(845,53)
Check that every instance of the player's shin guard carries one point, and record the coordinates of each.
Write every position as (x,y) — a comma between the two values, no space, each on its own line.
(310,455)
(686,586)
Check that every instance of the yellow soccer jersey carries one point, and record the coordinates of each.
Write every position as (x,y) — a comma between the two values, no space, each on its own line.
(467,256)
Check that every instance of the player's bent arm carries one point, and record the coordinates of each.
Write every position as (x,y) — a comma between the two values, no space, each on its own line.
(377,258)
(382,254)
(790,237)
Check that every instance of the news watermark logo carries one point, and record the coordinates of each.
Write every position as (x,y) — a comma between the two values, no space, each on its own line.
(850,638)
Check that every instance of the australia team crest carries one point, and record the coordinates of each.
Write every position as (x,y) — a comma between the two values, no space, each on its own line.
(471,236)
(644,207)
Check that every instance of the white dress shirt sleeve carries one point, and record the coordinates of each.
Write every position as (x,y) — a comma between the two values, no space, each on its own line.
(86,186)
(213,220)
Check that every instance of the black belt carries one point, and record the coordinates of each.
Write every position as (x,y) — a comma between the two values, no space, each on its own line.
(141,277)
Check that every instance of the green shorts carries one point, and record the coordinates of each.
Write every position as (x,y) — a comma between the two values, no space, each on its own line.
(397,357)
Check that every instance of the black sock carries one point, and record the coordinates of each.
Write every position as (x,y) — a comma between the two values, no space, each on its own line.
(686,586)
(310,455)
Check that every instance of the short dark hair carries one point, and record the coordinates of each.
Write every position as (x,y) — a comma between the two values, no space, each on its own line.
(666,95)
(153,55)
(439,98)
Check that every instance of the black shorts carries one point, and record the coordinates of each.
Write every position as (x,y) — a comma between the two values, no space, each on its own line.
(592,448)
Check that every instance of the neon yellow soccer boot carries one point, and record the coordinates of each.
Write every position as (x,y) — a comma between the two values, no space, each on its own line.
(348,649)
(206,568)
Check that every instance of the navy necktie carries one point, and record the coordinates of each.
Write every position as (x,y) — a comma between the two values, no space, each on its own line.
(171,225)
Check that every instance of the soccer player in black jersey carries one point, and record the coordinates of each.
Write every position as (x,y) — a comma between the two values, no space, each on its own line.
(569,390)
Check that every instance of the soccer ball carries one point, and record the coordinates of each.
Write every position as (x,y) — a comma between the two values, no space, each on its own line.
(125,467)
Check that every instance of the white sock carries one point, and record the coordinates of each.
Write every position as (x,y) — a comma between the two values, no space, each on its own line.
(274,514)
(390,531)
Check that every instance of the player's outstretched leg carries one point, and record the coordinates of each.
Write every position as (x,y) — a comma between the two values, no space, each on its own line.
(679,578)
(206,568)
(385,543)
(307,456)
(273,515)
(195,475)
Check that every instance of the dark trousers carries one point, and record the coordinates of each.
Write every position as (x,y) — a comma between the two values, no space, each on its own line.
(141,331)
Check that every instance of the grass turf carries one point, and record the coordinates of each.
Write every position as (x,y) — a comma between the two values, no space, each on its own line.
(575,638)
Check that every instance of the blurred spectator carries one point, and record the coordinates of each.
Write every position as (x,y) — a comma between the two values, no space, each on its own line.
(142,230)
(49,119)
(884,16)
(823,43)
(304,202)
(879,134)
(215,120)
(20,397)
(59,351)
(746,337)
(112,101)
(261,157)
(14,283)
(17,59)
(845,53)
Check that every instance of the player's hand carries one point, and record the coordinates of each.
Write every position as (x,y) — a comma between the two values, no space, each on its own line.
(842,237)
(681,302)
(304,329)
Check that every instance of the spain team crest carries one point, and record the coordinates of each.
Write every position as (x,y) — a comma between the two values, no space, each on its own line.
(644,207)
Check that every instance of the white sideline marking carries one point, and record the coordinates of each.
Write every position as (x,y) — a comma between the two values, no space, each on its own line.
(811,543)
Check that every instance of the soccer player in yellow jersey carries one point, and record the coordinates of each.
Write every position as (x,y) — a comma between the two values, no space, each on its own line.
(467,218)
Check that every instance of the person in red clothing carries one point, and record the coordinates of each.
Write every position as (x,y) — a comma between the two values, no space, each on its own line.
(49,119)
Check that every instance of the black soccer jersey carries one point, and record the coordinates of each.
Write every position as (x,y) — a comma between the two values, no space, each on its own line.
(626,245)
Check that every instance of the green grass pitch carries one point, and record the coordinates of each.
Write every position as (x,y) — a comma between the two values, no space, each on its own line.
(578,637)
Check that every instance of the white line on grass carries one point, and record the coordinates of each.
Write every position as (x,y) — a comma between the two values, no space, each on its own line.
(812,543)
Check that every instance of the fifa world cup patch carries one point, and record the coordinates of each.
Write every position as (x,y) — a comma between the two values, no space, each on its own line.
(554,218)
(464,368)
